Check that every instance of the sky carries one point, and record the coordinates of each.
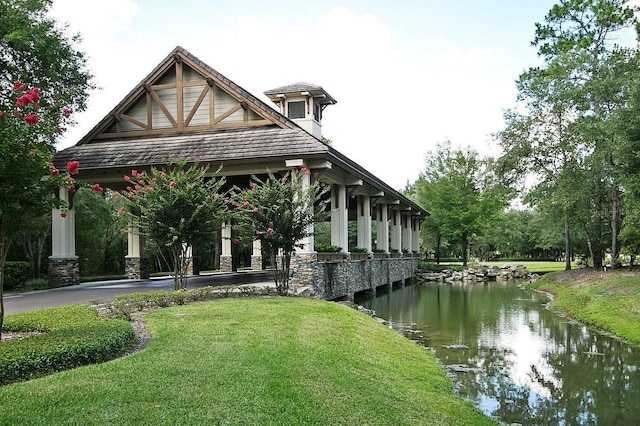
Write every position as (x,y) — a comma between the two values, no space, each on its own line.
(407,75)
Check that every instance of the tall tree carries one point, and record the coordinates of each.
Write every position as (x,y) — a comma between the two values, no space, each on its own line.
(462,194)
(584,81)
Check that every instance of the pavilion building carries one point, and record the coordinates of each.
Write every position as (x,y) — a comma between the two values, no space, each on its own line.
(186,109)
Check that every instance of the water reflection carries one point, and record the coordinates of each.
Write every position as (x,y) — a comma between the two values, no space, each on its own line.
(515,359)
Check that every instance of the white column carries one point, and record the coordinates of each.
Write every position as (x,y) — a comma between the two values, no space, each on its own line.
(226,259)
(406,231)
(364,222)
(383,228)
(135,241)
(226,239)
(396,230)
(63,229)
(339,218)
(416,235)
(307,242)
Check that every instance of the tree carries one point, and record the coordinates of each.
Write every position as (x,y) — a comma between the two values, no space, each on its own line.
(29,178)
(178,208)
(37,51)
(279,212)
(571,130)
(42,80)
(462,194)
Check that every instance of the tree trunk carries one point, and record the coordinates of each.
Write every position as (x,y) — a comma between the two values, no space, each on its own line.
(615,219)
(588,239)
(465,249)
(4,249)
(595,247)
(567,243)
(439,240)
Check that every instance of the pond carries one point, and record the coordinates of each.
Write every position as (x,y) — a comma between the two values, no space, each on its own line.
(514,358)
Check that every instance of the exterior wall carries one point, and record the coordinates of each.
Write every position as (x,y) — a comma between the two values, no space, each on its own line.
(340,279)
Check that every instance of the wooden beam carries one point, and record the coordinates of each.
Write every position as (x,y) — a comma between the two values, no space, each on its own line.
(228,113)
(130,119)
(164,109)
(179,95)
(193,111)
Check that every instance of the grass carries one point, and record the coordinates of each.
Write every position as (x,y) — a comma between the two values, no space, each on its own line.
(609,301)
(535,267)
(251,361)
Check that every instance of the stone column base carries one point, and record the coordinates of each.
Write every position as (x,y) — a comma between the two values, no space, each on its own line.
(64,271)
(226,264)
(136,268)
(256,263)
(305,268)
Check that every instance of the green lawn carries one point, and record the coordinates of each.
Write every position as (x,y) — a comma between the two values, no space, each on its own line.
(251,361)
(535,267)
(608,300)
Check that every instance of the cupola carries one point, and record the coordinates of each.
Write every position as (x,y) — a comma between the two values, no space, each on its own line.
(303,103)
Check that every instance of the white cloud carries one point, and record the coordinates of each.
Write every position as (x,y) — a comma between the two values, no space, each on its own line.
(391,110)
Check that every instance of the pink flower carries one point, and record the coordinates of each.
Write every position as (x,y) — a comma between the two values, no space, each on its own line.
(305,171)
(63,213)
(97,187)
(31,119)
(72,166)
(54,172)
(67,112)
(18,87)
(163,174)
(33,94)
(126,178)
(270,230)
(284,179)
(258,232)
(23,101)
(237,241)
(122,230)
(122,209)
(173,184)
(134,172)
(148,188)
(141,182)
(246,204)
(255,210)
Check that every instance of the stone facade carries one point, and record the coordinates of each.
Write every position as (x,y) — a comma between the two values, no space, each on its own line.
(256,263)
(64,271)
(226,263)
(342,279)
(305,269)
(136,268)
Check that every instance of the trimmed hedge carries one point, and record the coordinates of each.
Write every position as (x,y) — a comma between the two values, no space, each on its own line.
(73,336)
(16,274)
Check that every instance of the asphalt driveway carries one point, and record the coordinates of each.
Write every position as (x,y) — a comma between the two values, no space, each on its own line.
(105,291)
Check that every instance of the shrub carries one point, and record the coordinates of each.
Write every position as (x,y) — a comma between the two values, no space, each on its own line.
(73,336)
(16,274)
(327,248)
(358,250)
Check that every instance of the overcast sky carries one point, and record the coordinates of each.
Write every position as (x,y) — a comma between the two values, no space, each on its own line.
(407,75)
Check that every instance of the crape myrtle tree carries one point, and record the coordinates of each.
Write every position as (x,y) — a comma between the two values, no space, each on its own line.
(461,192)
(279,211)
(43,79)
(28,126)
(176,208)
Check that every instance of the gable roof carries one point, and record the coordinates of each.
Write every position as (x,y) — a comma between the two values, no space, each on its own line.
(179,89)
(155,122)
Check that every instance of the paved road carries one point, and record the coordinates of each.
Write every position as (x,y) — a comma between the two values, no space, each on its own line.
(104,291)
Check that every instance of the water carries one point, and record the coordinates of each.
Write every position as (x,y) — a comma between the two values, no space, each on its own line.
(515,359)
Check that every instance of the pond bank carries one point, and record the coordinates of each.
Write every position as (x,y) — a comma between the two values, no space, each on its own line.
(609,300)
